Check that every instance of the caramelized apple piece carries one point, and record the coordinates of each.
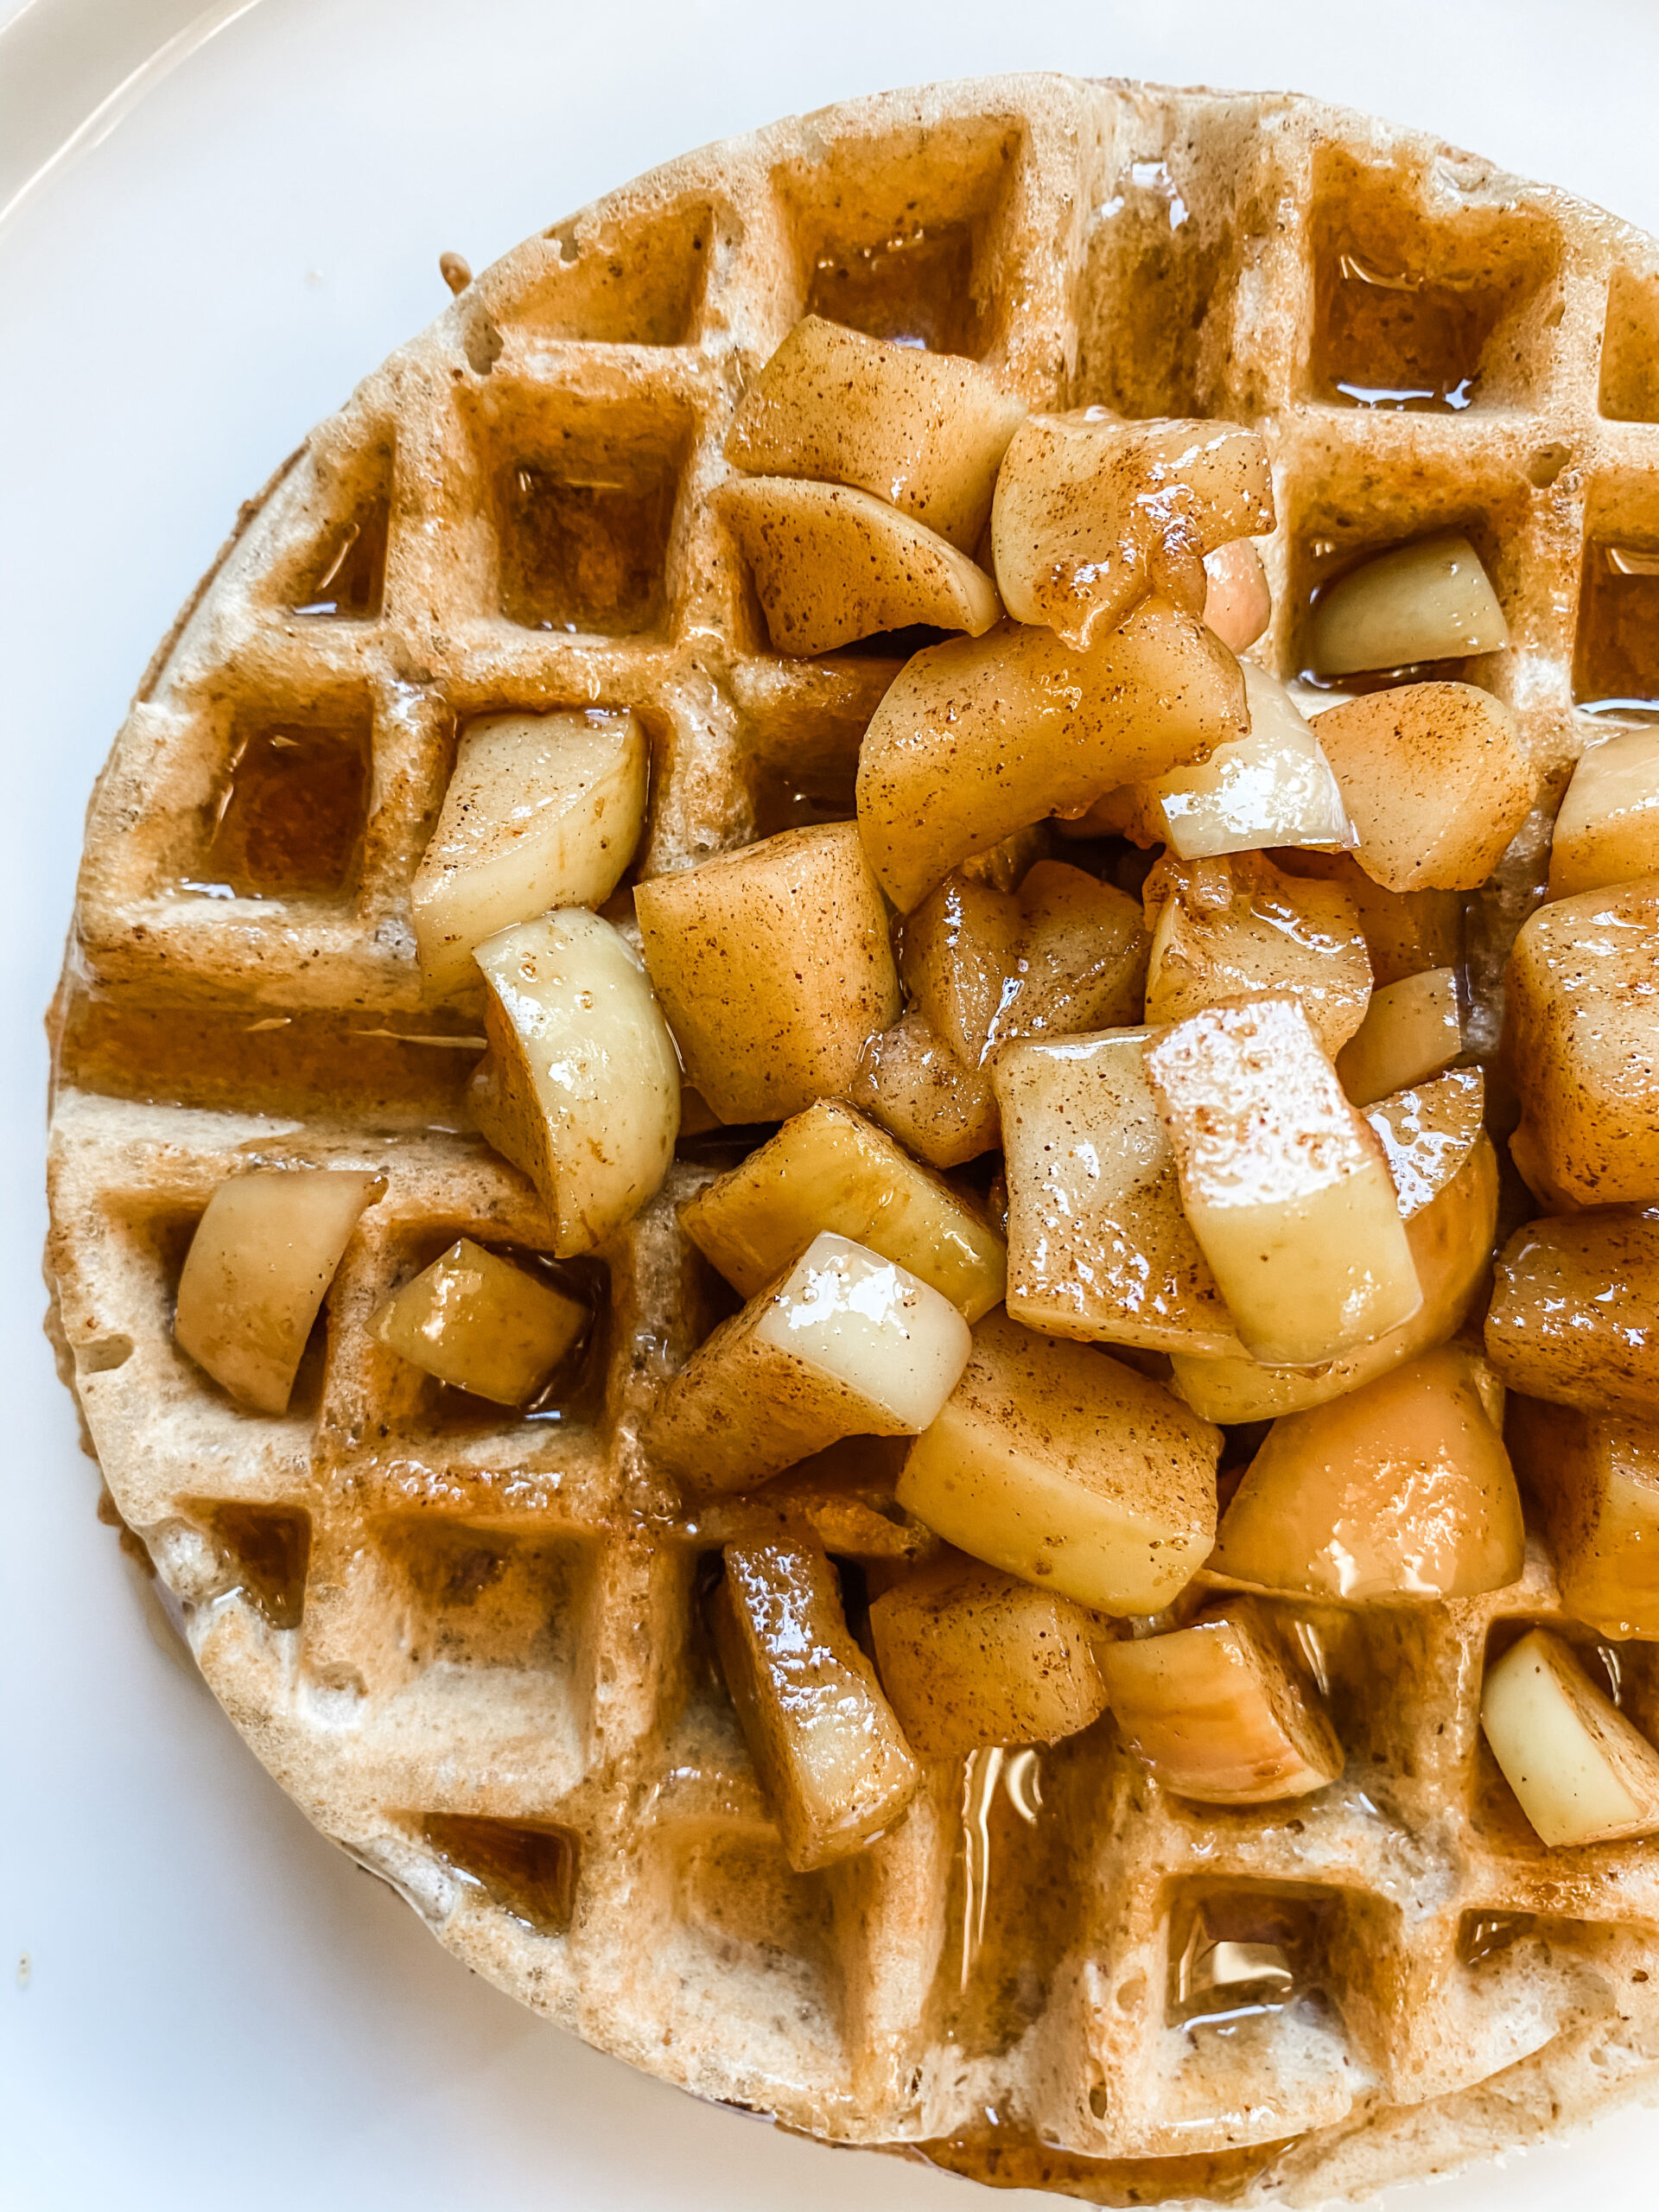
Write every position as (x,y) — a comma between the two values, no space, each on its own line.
(1287,1188)
(581,1087)
(923,431)
(1222,1711)
(1427,1132)
(971,1657)
(1402,1489)
(910,1082)
(829,1169)
(774,966)
(826,1747)
(263,1254)
(1436,781)
(1411,1031)
(845,1344)
(1081,961)
(1238,603)
(1274,787)
(1607,830)
(1574,1316)
(1405,932)
(957,958)
(1428,601)
(1068,1470)
(480,1324)
(1595,1478)
(1582,1772)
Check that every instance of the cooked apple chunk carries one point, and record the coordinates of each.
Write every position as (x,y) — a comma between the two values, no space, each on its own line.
(480,1324)
(1574,1316)
(259,1266)
(542,811)
(1222,1711)
(1274,787)
(1411,1031)
(1436,779)
(1068,1470)
(1091,514)
(827,1751)
(1595,1480)
(1607,830)
(924,430)
(1400,1489)
(1429,601)
(1582,1772)
(1081,961)
(774,966)
(958,954)
(910,1082)
(980,736)
(1287,1188)
(832,564)
(1405,932)
(970,1657)
(1427,1132)
(845,1344)
(580,1087)
(829,1169)
(1238,602)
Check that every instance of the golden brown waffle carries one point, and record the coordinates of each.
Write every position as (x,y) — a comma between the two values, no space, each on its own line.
(472,1652)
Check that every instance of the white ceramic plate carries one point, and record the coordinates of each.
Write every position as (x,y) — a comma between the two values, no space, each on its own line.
(219,217)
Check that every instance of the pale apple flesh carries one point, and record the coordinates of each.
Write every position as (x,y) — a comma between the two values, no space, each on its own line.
(1431,599)
(1272,788)
(1238,600)
(479,1322)
(1581,1772)
(1427,1132)
(1411,1031)
(1607,830)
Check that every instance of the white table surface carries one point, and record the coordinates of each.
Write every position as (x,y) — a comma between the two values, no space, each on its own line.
(217,218)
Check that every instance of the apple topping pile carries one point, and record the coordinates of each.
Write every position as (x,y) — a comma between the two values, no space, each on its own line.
(1107,1128)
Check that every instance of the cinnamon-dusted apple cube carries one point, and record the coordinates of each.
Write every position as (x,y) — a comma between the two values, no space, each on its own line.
(831,1760)
(1098,1246)
(1583,1046)
(542,811)
(1285,1187)
(980,736)
(910,1082)
(1274,787)
(957,957)
(924,430)
(1411,1031)
(1574,1316)
(1224,1711)
(1429,601)
(1607,830)
(832,564)
(845,1344)
(263,1254)
(1091,514)
(1237,602)
(969,1657)
(1595,1479)
(1405,932)
(581,1087)
(774,966)
(1400,1489)
(830,1169)
(1234,927)
(1068,1470)
(1451,1244)
(1582,1772)
(1428,1131)
(479,1323)
(1081,961)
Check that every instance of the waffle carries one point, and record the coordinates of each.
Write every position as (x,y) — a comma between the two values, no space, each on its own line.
(472,1647)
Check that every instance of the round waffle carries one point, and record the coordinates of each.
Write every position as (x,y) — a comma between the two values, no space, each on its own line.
(471,1649)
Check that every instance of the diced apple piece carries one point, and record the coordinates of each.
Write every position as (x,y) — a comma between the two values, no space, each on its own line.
(924,430)
(1402,1489)
(1081,961)
(977,737)
(1002,866)
(1574,1316)
(1068,1470)
(1287,1188)
(845,1344)
(259,1266)
(829,1753)
(581,1087)
(1582,1772)
(1234,927)
(1411,1031)
(542,811)
(829,1169)
(1429,601)
(1583,1046)
(1274,787)
(1436,779)
(1595,1478)
(775,969)
(910,1082)
(1222,1711)
(1238,603)
(969,1657)
(832,564)
(1091,514)
(958,954)
(480,1324)
(1405,932)
(1098,1246)
(1451,1242)
(1427,1133)
(1607,830)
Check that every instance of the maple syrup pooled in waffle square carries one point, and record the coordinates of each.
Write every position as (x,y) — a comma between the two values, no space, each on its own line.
(510,1652)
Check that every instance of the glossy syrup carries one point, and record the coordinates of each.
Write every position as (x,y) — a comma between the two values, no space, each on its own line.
(290,816)
(914,288)
(1616,652)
